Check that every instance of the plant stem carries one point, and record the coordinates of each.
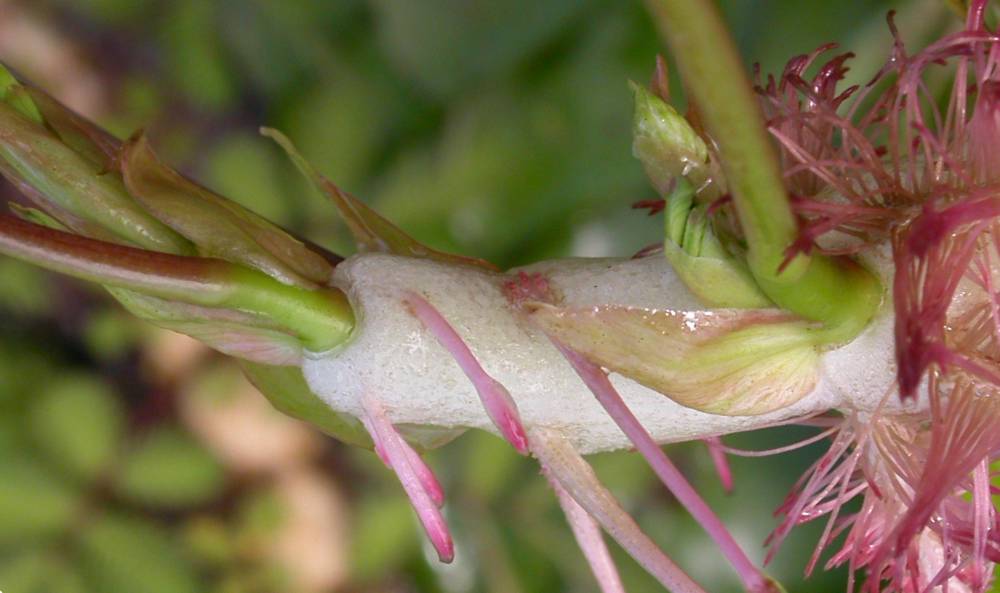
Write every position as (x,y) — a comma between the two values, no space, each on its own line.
(322,319)
(838,291)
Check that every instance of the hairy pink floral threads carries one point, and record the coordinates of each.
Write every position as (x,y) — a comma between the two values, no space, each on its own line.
(588,536)
(413,475)
(597,380)
(497,401)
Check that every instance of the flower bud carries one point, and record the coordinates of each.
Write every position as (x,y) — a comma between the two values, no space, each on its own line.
(666,144)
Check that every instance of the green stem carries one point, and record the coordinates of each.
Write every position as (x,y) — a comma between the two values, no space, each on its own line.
(835,291)
(322,318)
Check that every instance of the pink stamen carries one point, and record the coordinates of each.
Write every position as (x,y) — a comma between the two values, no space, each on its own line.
(400,457)
(779,450)
(589,538)
(597,380)
(575,475)
(427,478)
(718,453)
(497,401)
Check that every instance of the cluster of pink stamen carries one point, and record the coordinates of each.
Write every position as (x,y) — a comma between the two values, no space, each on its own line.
(884,163)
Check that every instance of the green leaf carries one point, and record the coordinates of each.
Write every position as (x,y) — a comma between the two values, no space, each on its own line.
(385,537)
(445,45)
(169,469)
(131,555)
(34,503)
(63,578)
(24,573)
(261,515)
(77,422)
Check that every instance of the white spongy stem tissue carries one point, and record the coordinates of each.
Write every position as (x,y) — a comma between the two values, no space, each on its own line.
(391,355)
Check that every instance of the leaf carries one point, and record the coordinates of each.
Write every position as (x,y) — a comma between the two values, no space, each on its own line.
(34,503)
(24,572)
(385,537)
(121,553)
(728,361)
(169,469)
(217,226)
(448,45)
(78,423)
(370,230)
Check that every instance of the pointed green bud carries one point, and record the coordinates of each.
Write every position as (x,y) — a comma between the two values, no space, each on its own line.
(12,93)
(666,144)
(716,277)
(70,188)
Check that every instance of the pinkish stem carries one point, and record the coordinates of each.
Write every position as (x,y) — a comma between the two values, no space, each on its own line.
(718,453)
(400,456)
(497,401)
(597,380)
(569,468)
(589,538)
(427,478)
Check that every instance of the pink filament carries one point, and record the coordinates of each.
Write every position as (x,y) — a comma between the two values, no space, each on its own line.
(400,458)
(597,380)
(575,475)
(589,538)
(427,478)
(718,453)
(497,401)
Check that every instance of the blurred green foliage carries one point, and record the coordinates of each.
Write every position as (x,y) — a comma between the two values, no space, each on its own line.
(498,129)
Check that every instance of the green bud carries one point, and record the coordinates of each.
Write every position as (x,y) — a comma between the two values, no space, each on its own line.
(72,189)
(12,93)
(666,144)
(715,276)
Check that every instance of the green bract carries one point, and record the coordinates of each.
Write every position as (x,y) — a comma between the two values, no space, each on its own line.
(716,277)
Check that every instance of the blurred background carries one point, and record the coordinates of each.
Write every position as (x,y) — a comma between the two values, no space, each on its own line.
(133,460)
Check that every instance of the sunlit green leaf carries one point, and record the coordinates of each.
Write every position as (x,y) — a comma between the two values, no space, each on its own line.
(121,553)
(78,423)
(385,536)
(34,502)
(169,469)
